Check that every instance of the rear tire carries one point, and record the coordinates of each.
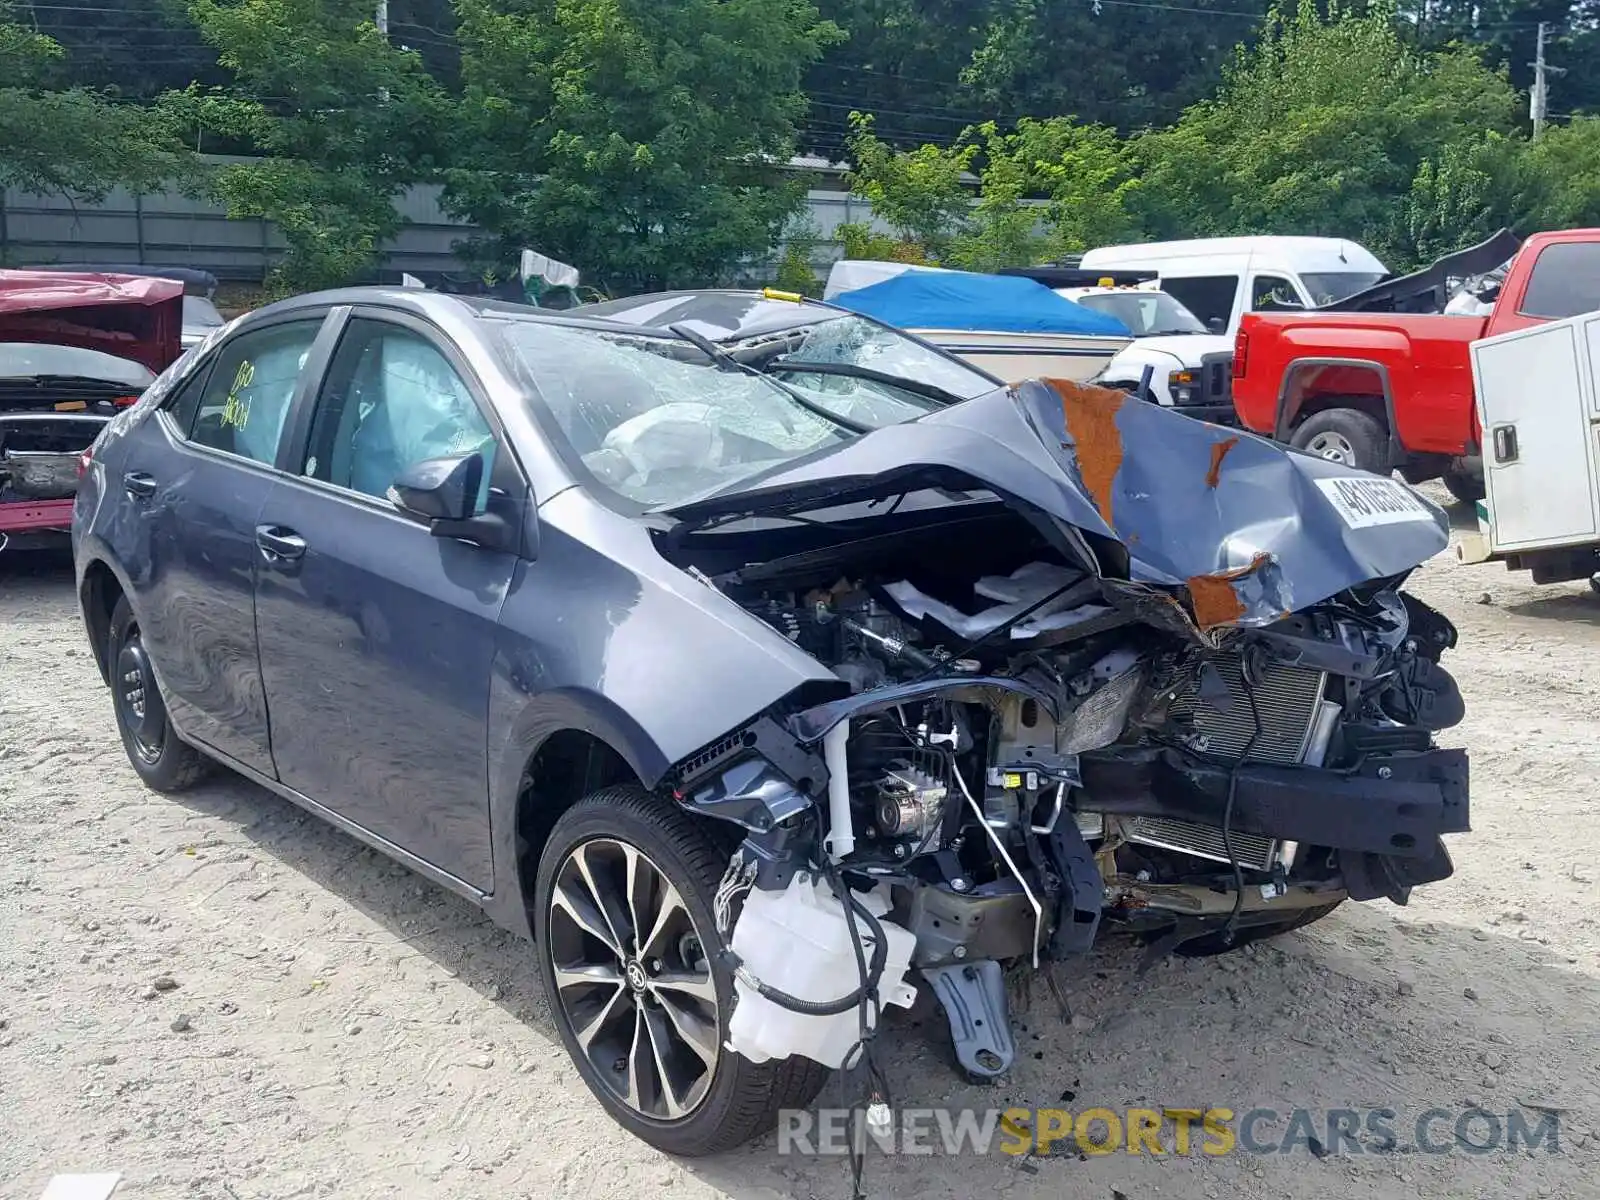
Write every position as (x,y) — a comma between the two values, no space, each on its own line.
(609,837)
(1465,486)
(1345,435)
(164,761)
(1213,943)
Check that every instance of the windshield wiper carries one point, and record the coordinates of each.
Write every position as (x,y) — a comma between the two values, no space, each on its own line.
(850,370)
(1169,332)
(91,380)
(727,362)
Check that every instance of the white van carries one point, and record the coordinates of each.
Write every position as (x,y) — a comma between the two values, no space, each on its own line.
(1221,279)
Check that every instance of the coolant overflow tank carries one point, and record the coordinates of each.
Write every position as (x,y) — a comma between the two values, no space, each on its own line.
(797,940)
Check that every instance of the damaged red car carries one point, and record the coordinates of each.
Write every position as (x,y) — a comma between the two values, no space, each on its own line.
(74,349)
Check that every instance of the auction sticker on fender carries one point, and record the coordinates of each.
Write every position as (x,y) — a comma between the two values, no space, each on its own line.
(1374,501)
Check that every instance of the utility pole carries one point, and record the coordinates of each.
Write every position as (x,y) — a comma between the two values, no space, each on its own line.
(1539,96)
(381,19)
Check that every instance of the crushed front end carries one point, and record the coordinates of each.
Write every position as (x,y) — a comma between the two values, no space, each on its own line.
(1053,722)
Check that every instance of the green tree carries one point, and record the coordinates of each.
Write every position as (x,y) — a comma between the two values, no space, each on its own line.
(640,140)
(921,194)
(1127,65)
(1003,228)
(901,61)
(1561,177)
(342,119)
(1089,177)
(1044,189)
(1321,128)
(73,140)
(1465,193)
(795,272)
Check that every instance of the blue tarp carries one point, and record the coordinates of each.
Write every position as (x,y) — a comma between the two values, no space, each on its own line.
(963,300)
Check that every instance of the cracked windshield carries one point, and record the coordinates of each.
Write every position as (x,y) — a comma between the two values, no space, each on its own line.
(657,420)
(836,361)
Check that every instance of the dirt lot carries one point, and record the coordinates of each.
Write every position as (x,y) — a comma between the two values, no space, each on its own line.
(339,1027)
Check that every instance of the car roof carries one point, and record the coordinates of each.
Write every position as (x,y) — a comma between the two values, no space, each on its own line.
(439,307)
(1301,254)
(720,314)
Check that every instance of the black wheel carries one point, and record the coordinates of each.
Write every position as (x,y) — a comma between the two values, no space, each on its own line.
(1466,486)
(1214,943)
(1345,435)
(628,948)
(162,760)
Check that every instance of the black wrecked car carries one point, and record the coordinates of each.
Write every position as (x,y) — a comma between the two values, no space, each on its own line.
(759,718)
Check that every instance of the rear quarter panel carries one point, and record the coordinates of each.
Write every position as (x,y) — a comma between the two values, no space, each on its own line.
(1424,357)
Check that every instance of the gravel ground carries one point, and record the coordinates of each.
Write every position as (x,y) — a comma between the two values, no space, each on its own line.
(220,997)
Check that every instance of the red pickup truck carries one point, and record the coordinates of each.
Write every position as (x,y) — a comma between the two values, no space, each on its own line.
(1383,380)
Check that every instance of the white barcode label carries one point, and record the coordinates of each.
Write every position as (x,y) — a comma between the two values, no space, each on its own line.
(1374,501)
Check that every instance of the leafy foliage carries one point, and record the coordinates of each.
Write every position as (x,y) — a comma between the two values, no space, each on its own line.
(1319,130)
(637,139)
(795,273)
(343,120)
(72,140)
(921,194)
(645,140)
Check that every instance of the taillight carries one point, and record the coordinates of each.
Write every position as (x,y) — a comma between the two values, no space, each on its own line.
(124,401)
(84,460)
(1241,353)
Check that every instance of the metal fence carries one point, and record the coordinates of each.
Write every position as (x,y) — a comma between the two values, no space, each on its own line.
(170,229)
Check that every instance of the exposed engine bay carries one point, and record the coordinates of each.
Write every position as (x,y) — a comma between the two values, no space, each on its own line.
(1021,756)
(39,453)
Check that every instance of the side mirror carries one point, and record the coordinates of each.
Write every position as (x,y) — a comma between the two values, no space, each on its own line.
(1215,324)
(439,489)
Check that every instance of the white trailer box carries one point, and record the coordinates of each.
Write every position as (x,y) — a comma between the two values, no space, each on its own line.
(1540,414)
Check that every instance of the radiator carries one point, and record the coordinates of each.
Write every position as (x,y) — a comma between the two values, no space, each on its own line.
(1286,698)
(1204,841)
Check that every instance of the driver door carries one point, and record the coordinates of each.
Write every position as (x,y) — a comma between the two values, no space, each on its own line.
(377,638)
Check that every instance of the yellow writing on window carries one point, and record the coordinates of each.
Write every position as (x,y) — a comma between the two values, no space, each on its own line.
(236,411)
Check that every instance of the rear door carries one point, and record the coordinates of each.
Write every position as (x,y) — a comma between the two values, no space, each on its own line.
(192,481)
(377,638)
(1535,398)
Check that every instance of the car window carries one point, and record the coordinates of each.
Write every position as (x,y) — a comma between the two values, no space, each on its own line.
(1565,281)
(247,394)
(184,404)
(1273,291)
(392,399)
(1146,314)
(197,310)
(1329,287)
(1206,296)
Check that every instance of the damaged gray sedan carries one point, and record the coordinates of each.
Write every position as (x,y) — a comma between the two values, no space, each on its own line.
(757,715)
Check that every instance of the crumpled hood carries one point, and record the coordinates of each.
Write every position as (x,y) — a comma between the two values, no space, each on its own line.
(1243,530)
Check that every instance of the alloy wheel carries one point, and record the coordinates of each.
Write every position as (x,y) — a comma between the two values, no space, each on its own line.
(633,979)
(1333,446)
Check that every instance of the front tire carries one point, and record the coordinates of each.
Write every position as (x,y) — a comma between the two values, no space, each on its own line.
(164,761)
(630,956)
(1344,435)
